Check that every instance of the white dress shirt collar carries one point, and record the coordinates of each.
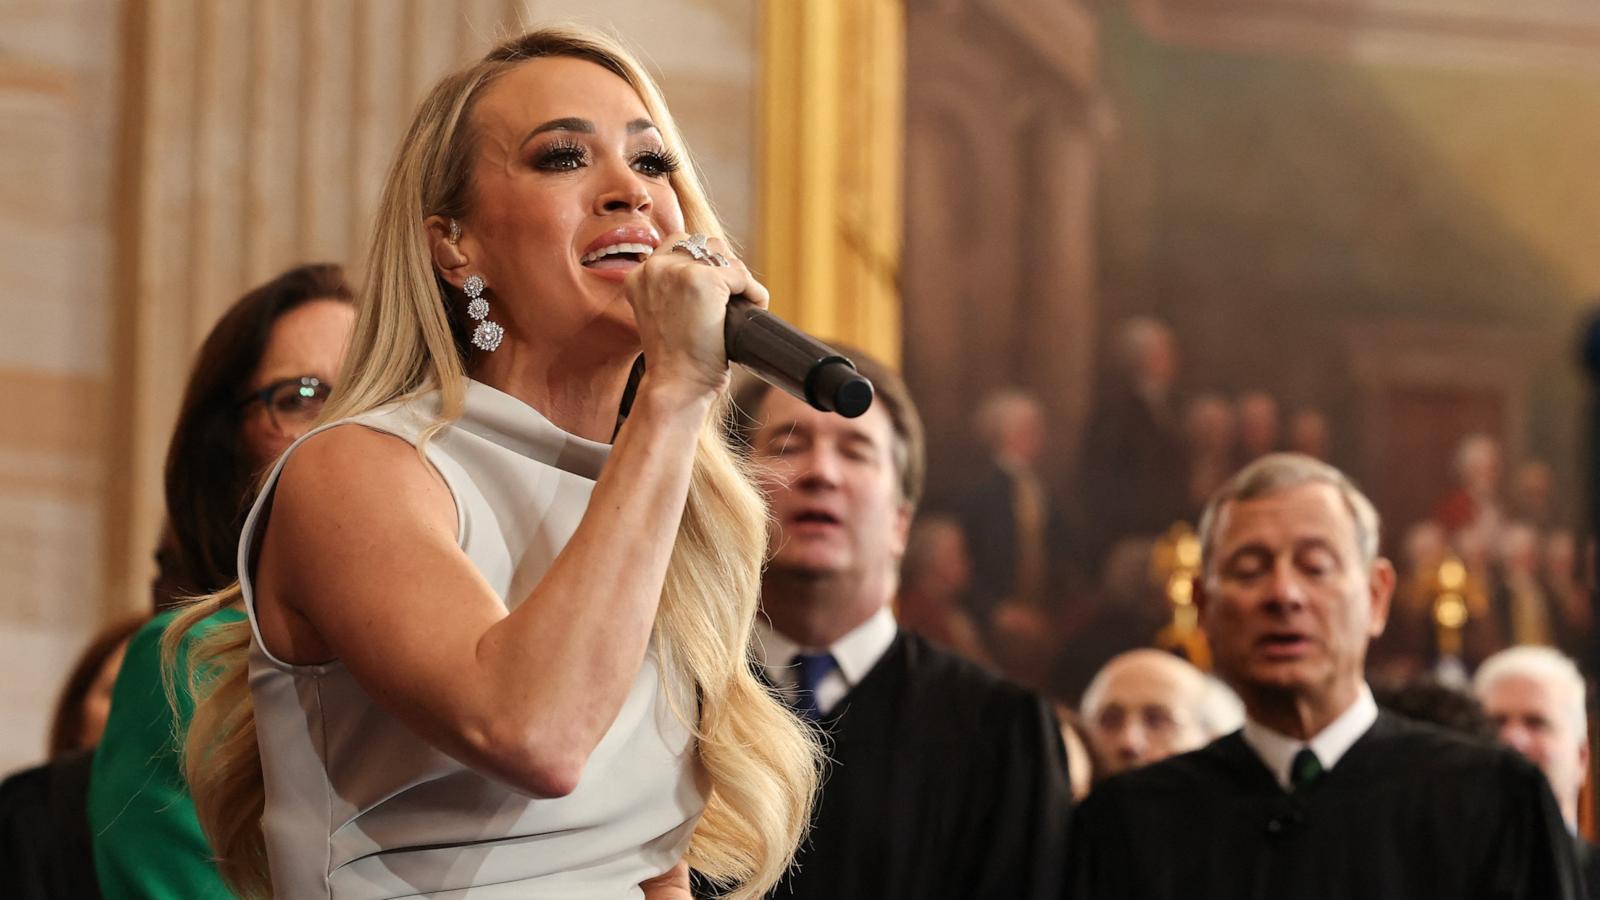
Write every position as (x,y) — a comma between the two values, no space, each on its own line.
(856,653)
(1277,750)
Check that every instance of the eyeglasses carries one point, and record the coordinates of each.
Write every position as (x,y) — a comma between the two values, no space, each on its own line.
(292,403)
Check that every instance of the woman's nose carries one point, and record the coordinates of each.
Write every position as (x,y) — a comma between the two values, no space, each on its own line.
(624,192)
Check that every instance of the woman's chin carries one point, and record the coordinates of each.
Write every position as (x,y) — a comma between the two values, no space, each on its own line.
(620,313)
(616,322)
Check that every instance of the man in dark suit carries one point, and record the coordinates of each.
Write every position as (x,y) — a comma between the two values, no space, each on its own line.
(1320,795)
(1134,470)
(1535,698)
(1006,512)
(944,781)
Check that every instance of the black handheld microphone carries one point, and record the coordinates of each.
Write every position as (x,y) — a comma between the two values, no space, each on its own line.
(788,358)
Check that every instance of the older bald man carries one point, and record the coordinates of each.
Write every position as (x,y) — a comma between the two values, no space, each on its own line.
(1146,705)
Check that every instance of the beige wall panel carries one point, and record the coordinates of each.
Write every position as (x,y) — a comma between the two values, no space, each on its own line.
(429,46)
(221,126)
(57,119)
(42,545)
(157,321)
(37,658)
(716,115)
(50,596)
(327,104)
(382,111)
(483,23)
(272,171)
(59,477)
(57,124)
(50,413)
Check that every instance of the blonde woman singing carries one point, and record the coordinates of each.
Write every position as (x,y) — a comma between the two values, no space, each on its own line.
(496,643)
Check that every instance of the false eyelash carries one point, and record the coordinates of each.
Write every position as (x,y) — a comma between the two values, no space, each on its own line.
(665,162)
(557,152)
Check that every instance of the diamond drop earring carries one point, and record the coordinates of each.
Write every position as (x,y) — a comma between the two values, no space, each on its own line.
(487,335)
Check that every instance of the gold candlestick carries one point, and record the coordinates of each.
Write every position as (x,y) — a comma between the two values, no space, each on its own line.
(1451,611)
(1174,564)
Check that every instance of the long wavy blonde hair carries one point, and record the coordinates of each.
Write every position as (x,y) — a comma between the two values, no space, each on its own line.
(761,761)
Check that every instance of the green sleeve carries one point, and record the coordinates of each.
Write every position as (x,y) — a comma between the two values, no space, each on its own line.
(147,841)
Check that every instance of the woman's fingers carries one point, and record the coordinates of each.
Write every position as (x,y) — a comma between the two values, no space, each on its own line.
(717,257)
(734,278)
(680,303)
(740,280)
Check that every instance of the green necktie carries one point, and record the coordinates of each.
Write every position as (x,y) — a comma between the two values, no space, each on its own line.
(1305,769)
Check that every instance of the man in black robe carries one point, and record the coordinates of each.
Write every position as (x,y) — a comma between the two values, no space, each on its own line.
(1320,795)
(1536,699)
(943,780)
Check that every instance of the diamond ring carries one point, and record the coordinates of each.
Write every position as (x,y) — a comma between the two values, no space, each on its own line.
(695,246)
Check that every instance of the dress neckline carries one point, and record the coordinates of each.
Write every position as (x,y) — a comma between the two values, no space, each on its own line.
(507,421)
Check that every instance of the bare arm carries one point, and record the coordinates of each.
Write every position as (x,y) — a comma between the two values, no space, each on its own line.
(359,562)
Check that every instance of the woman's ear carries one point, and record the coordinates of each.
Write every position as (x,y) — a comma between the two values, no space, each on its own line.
(445,246)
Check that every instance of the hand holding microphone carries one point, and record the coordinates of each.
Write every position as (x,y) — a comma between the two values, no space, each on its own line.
(783,355)
(771,348)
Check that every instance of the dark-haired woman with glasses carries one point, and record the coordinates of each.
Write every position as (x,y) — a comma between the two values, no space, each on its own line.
(259,382)
(292,404)
(232,425)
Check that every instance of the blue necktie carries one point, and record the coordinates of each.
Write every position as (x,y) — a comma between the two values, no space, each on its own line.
(813,668)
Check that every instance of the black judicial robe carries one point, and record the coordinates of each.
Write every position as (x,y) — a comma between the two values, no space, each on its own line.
(1409,813)
(1589,862)
(944,782)
(45,849)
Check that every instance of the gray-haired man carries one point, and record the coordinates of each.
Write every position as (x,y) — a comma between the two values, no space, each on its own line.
(1535,697)
(1320,795)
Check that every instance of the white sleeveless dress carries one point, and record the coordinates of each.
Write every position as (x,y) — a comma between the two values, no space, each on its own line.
(358,806)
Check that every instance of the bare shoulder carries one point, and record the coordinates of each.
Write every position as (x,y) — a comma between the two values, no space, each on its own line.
(361,527)
(351,475)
